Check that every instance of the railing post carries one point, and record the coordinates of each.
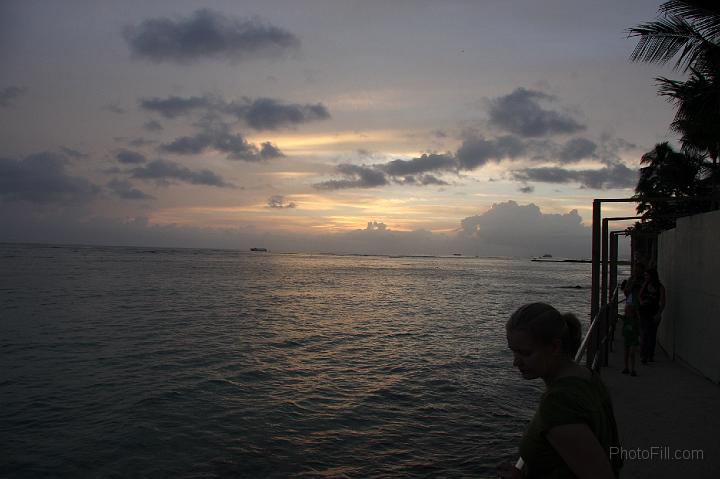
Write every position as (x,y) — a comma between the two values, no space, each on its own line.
(604,263)
(613,286)
(595,283)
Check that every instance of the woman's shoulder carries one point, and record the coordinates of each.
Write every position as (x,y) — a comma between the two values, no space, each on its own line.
(583,383)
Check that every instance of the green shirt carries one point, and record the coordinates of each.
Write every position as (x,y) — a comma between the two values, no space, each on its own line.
(568,400)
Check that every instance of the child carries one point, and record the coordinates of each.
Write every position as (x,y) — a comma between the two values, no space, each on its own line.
(631,333)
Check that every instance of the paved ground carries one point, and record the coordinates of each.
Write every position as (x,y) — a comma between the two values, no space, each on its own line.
(667,407)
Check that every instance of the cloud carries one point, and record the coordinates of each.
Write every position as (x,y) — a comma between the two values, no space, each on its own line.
(375,226)
(612,176)
(513,229)
(130,157)
(188,145)
(355,177)
(153,125)
(576,149)
(269,114)
(278,201)
(207,34)
(175,106)
(259,114)
(476,151)
(42,178)
(268,151)
(426,162)
(422,180)
(526,189)
(9,94)
(125,190)
(236,147)
(520,113)
(162,171)
(403,172)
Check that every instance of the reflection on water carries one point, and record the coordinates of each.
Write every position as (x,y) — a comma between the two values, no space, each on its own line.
(152,363)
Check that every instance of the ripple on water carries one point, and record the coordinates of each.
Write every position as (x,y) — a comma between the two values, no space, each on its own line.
(194,363)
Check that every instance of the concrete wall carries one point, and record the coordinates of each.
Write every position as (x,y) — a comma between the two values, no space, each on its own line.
(689,267)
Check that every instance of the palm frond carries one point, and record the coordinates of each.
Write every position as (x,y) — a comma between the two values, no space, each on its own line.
(704,14)
(660,41)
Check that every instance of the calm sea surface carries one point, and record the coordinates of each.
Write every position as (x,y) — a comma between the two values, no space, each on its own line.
(137,362)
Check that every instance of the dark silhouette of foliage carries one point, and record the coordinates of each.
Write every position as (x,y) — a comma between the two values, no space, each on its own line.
(669,186)
(689,31)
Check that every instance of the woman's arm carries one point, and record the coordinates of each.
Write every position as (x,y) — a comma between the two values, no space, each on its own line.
(581,451)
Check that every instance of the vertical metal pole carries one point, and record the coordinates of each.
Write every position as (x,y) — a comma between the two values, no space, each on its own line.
(595,283)
(604,268)
(613,284)
(613,264)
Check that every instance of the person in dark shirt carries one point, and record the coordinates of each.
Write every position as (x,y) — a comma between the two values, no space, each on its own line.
(652,303)
(574,427)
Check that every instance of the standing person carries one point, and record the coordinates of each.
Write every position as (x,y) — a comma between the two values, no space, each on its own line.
(634,283)
(631,331)
(652,303)
(574,426)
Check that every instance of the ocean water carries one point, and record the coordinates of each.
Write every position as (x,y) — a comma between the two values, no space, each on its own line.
(138,362)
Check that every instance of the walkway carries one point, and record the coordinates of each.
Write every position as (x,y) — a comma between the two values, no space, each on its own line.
(669,405)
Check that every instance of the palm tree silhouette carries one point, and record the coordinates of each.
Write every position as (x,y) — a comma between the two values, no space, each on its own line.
(675,176)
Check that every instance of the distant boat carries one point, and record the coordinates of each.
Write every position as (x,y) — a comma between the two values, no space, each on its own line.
(259,249)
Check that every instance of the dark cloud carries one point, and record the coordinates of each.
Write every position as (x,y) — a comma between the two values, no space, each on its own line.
(278,201)
(268,151)
(163,172)
(153,125)
(207,34)
(259,114)
(404,172)
(612,176)
(520,113)
(476,151)
(236,147)
(269,114)
(130,157)
(577,149)
(355,177)
(526,189)
(175,106)
(42,178)
(8,95)
(188,145)
(125,190)
(423,180)
(431,162)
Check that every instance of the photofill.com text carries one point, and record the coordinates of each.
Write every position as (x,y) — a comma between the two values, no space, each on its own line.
(657,453)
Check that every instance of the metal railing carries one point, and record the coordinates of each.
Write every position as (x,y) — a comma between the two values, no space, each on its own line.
(594,344)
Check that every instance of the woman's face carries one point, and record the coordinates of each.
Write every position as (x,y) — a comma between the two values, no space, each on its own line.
(531,357)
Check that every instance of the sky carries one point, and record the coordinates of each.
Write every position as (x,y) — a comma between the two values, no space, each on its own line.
(377,127)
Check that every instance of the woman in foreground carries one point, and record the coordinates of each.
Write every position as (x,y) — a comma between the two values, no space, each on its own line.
(574,425)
